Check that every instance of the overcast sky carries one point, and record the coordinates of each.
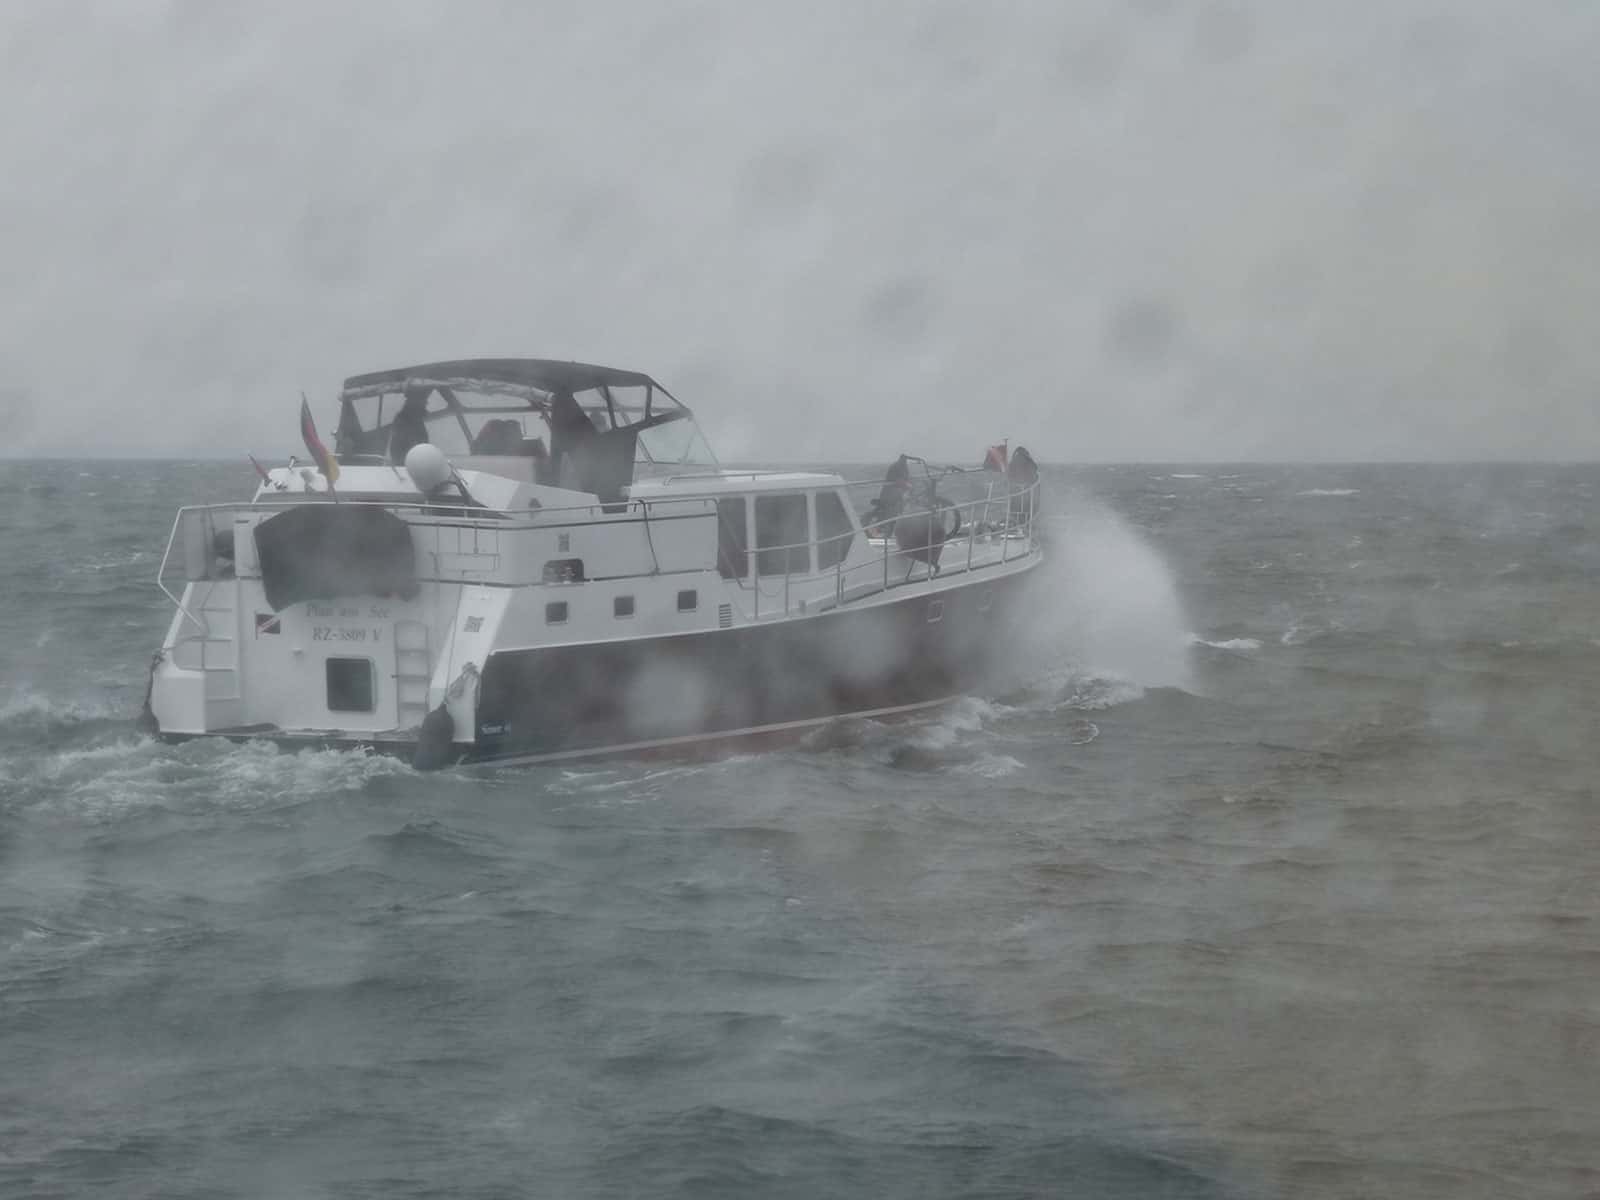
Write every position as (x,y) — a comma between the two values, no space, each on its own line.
(1110,229)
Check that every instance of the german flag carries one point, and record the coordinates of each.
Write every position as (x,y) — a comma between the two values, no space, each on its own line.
(319,452)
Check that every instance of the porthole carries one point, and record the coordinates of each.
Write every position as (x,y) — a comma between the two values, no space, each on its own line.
(622,606)
(555,613)
(688,600)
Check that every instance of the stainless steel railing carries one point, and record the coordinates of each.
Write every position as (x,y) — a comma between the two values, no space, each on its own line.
(1003,514)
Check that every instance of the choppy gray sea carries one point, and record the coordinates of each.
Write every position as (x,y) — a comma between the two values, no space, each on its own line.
(1271,872)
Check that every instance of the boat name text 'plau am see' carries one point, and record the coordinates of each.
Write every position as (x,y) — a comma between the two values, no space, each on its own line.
(338,633)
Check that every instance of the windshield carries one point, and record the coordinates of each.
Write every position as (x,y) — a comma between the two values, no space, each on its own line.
(675,443)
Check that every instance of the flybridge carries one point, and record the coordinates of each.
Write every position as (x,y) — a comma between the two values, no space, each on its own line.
(594,427)
(499,580)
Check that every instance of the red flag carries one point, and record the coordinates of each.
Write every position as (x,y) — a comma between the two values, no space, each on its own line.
(308,433)
(995,460)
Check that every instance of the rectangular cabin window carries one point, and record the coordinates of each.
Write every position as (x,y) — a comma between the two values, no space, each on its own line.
(781,522)
(733,541)
(350,685)
(622,606)
(688,600)
(834,531)
(555,613)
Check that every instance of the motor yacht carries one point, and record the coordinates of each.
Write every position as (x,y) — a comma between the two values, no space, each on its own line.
(529,560)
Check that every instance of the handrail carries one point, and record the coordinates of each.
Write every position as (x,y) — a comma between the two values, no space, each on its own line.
(1030,491)
(161,582)
(536,517)
(971,530)
(503,519)
(1016,522)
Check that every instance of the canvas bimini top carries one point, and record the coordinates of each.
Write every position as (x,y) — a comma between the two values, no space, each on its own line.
(511,376)
(510,406)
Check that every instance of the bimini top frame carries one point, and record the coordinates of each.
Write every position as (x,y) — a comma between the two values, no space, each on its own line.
(464,395)
(533,379)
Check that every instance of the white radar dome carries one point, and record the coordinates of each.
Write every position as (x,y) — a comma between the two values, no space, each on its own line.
(427,466)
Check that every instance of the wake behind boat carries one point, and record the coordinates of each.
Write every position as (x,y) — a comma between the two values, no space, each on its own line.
(526,560)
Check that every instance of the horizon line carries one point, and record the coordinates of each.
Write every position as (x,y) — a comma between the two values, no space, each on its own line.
(243,457)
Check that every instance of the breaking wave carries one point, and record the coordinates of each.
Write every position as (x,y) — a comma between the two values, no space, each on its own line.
(128,775)
(33,722)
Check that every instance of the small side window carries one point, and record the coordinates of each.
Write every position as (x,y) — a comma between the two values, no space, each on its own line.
(563,570)
(350,685)
(555,613)
(688,600)
(733,554)
(622,606)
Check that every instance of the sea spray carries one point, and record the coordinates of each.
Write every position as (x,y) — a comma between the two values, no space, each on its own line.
(1104,606)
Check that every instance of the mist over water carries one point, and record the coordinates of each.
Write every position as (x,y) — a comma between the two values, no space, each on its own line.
(1265,871)
(1264,868)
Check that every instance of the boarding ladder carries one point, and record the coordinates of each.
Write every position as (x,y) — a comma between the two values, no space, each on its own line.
(219,652)
(413,673)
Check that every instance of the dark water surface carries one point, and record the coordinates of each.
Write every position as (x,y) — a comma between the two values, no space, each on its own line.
(1273,873)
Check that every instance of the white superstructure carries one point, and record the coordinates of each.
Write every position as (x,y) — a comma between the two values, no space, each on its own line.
(448,625)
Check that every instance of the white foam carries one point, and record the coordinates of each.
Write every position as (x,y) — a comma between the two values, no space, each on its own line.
(116,562)
(263,768)
(1070,687)
(967,715)
(1228,644)
(992,766)
(24,702)
(1330,492)
(1096,693)
(95,761)
(133,776)
(1300,632)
